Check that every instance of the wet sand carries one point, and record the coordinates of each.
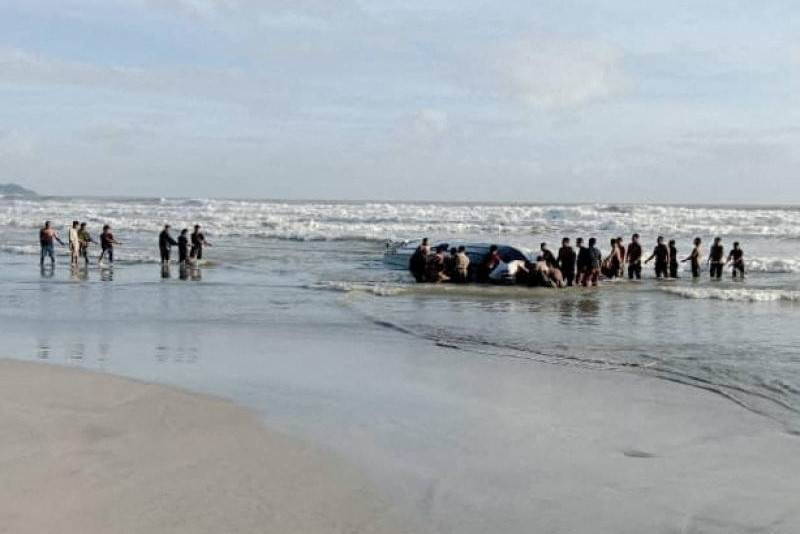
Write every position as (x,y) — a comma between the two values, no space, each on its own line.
(84,452)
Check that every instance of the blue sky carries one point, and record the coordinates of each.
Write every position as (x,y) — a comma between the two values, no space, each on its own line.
(440,100)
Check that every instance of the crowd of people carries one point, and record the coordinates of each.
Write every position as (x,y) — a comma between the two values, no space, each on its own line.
(190,246)
(583,265)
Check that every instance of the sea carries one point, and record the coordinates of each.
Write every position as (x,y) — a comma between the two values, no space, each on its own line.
(282,276)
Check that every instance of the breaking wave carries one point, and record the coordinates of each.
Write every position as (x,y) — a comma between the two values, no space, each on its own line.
(738,295)
(374,221)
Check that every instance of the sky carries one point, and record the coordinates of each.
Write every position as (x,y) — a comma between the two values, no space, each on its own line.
(526,101)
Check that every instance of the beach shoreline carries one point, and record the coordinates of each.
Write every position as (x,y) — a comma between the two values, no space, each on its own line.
(85,452)
(617,451)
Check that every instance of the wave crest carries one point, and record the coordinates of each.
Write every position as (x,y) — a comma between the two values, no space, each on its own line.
(737,295)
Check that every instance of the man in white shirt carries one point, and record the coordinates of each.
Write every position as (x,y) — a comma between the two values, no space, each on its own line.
(74,243)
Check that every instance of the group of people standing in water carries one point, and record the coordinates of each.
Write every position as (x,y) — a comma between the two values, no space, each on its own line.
(190,247)
(78,242)
(583,265)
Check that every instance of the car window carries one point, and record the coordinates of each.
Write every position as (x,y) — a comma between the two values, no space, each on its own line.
(509,254)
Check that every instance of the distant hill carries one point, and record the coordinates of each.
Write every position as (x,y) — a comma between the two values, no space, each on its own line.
(14,190)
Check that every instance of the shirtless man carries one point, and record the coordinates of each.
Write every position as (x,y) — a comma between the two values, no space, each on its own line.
(612,262)
(436,266)
(694,257)
(736,259)
(46,237)
(546,256)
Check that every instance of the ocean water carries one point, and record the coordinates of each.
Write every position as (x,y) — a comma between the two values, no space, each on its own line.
(319,264)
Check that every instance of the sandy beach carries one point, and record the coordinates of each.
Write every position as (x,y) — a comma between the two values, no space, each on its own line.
(554,450)
(83,452)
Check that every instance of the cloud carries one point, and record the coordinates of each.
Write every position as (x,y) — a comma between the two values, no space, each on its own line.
(275,14)
(429,122)
(553,73)
(16,143)
(19,66)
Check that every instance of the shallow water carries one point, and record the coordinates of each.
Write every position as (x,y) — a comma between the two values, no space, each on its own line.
(423,386)
(320,264)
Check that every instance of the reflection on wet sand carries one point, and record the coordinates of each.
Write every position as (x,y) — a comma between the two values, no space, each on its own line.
(77,351)
(187,272)
(107,274)
(585,308)
(43,350)
(177,354)
(79,273)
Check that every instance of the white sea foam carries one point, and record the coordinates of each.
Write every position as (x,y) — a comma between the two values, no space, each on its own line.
(378,221)
(381,290)
(739,295)
(773,265)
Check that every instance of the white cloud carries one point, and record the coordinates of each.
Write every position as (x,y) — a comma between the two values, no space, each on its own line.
(302,14)
(429,122)
(19,66)
(551,73)
(16,143)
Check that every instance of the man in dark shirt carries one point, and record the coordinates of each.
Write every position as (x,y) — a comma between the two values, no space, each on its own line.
(183,246)
(582,261)
(716,257)
(165,243)
(694,257)
(661,255)
(566,261)
(107,243)
(594,259)
(673,259)
(634,258)
(736,258)
(198,243)
(418,260)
